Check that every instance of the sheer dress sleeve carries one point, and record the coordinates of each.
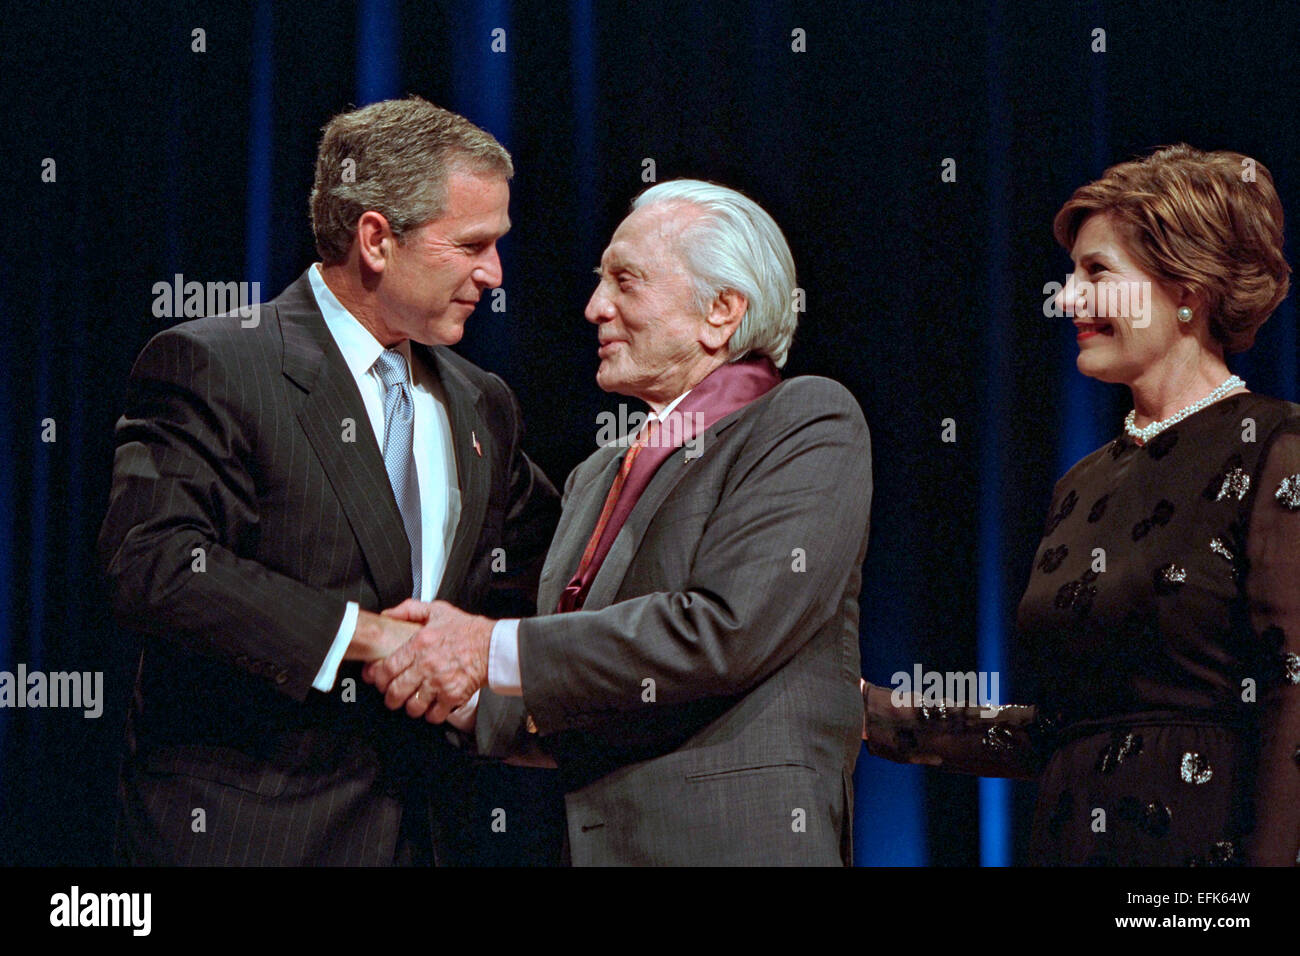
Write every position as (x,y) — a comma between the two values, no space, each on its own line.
(1005,741)
(1272,588)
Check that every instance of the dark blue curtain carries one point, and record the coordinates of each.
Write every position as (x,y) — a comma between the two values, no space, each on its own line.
(180,152)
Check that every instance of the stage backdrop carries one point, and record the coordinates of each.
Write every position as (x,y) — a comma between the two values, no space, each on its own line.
(914,154)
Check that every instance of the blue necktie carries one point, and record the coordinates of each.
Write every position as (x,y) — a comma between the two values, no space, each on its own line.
(399,457)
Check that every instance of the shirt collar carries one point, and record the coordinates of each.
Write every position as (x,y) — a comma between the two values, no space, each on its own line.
(360,349)
(652,417)
(668,409)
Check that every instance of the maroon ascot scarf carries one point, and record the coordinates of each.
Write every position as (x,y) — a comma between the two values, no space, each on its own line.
(721,392)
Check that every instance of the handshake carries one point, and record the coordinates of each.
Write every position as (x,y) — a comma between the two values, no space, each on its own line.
(430,658)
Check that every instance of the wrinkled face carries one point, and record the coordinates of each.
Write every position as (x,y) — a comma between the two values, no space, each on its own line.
(1126,319)
(437,273)
(651,332)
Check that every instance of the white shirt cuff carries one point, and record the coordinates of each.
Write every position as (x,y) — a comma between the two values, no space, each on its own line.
(503,659)
(329,670)
(465,716)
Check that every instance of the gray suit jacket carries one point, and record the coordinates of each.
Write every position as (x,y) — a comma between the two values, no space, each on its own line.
(704,705)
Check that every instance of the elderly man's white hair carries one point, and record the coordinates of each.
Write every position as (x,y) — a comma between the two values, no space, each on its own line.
(736,245)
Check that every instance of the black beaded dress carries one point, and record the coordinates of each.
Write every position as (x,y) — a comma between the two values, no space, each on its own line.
(1162,618)
(1164,613)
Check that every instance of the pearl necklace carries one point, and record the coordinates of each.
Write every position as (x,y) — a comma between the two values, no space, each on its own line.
(1148,432)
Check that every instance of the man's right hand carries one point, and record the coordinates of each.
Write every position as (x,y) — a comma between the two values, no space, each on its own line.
(377,636)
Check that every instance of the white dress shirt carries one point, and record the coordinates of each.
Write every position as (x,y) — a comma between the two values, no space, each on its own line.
(435,458)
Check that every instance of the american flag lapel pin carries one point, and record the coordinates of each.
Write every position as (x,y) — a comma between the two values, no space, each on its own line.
(473,436)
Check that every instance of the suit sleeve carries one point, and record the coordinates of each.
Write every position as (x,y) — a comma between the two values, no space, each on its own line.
(501,728)
(182,518)
(532,512)
(789,526)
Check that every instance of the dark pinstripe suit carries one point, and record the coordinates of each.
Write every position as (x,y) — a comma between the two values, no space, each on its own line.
(232,457)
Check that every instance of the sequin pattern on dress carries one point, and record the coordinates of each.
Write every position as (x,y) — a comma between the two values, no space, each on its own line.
(1235,484)
(1169,578)
(1291,668)
(1195,769)
(1117,751)
(1152,818)
(1222,853)
(998,737)
(1232,480)
(1288,492)
(1076,595)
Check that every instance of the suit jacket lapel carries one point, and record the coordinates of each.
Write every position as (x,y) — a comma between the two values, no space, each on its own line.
(355,468)
(614,568)
(577,522)
(473,465)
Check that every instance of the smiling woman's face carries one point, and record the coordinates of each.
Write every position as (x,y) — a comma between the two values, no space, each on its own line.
(1126,319)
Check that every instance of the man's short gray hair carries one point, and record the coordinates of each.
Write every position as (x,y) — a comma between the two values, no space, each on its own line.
(735,244)
(394,158)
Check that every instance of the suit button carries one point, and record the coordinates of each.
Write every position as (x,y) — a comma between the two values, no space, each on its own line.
(242,660)
(281,677)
